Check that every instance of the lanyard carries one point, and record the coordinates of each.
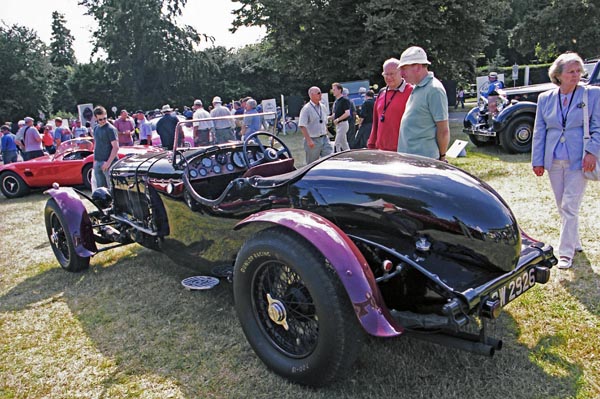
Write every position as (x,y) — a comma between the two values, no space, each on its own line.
(563,115)
(386,104)
(318,113)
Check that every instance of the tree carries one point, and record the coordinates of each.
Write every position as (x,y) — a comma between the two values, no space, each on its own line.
(345,40)
(62,58)
(24,72)
(550,28)
(61,43)
(148,55)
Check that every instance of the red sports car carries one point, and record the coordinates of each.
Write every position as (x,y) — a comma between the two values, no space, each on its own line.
(71,165)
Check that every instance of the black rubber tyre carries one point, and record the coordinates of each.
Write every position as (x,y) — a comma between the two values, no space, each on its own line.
(61,240)
(12,185)
(516,139)
(481,142)
(86,174)
(281,280)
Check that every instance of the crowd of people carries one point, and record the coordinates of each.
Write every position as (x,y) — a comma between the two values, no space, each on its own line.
(408,115)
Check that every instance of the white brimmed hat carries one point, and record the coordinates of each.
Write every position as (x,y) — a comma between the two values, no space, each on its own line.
(217,99)
(166,108)
(198,102)
(413,55)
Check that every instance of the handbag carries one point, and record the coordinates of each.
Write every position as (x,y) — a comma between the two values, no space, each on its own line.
(595,174)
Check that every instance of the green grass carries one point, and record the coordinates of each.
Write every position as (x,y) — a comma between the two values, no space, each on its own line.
(127,329)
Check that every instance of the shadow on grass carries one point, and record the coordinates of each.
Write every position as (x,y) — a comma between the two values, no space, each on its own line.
(137,313)
(585,286)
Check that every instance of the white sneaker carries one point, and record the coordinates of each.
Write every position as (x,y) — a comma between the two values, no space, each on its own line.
(565,263)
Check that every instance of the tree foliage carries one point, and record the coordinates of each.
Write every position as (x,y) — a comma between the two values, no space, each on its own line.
(62,58)
(148,55)
(344,39)
(24,72)
(553,27)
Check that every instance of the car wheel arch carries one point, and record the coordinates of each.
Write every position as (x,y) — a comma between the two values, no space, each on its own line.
(343,255)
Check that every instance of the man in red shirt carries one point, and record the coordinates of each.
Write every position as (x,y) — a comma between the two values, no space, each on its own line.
(389,108)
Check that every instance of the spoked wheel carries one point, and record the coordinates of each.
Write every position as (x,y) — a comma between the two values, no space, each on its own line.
(293,308)
(61,240)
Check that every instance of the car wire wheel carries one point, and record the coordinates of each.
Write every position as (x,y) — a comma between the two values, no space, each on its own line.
(293,308)
(282,300)
(60,239)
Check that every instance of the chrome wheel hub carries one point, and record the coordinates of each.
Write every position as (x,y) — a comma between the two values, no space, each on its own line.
(277,312)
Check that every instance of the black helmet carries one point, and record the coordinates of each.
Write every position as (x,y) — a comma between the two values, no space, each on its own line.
(102,197)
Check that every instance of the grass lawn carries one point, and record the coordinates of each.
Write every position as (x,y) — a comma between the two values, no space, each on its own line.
(127,329)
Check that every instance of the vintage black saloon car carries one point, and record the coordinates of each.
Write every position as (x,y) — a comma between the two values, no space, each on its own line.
(359,242)
(509,120)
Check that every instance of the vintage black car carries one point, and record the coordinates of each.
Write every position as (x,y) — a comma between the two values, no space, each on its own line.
(359,242)
(509,120)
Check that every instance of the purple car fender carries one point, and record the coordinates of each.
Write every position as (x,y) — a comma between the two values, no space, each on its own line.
(77,220)
(347,260)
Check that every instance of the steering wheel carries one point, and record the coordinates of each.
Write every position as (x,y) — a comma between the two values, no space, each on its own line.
(269,153)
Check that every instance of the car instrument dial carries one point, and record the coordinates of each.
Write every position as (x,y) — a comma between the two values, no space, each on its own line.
(216,169)
(203,172)
(238,159)
(230,167)
(222,158)
(193,173)
(207,162)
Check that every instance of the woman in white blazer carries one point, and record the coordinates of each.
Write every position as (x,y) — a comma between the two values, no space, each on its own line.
(558,146)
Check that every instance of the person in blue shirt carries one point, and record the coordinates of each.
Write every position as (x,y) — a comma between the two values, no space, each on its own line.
(251,123)
(493,84)
(9,148)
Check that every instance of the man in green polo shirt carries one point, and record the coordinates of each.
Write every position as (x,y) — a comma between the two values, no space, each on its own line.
(424,129)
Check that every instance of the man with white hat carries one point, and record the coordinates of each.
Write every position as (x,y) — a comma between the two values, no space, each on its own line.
(201,129)
(424,129)
(32,141)
(493,84)
(165,127)
(223,127)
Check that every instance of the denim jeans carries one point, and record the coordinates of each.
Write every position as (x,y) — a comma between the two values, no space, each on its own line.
(102,178)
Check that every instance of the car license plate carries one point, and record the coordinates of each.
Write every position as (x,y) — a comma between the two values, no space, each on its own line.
(515,287)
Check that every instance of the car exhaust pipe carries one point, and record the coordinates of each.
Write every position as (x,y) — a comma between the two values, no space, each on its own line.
(480,348)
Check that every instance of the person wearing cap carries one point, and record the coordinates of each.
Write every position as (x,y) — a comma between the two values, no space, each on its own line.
(144,126)
(32,141)
(424,128)
(79,131)
(125,126)
(223,127)
(8,145)
(19,135)
(493,84)
(313,125)
(106,147)
(201,128)
(340,117)
(165,127)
